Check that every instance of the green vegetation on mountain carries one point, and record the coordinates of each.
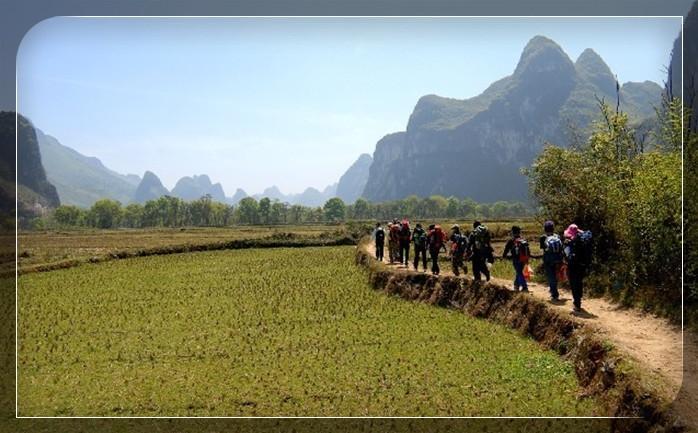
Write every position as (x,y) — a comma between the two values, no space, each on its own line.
(36,195)
(477,147)
(82,180)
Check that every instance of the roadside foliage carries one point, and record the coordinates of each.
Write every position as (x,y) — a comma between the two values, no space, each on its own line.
(627,190)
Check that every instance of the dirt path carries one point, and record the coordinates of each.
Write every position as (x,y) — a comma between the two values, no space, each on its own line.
(652,341)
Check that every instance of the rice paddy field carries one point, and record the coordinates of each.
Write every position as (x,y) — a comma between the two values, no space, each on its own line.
(267,332)
(48,247)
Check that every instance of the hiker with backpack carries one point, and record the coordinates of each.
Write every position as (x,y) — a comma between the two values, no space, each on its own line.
(393,241)
(481,250)
(379,237)
(459,246)
(577,251)
(419,238)
(404,239)
(436,240)
(520,252)
(551,245)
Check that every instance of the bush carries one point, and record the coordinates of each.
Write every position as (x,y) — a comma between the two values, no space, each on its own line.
(630,198)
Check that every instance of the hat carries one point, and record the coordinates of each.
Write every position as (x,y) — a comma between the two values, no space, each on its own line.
(549,226)
(572,231)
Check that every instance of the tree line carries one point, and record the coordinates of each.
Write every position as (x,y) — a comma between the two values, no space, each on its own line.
(168,211)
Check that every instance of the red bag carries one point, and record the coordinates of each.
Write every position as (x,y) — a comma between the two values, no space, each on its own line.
(562,273)
(527,272)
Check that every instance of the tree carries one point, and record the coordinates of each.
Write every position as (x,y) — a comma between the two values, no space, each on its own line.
(105,214)
(279,212)
(500,209)
(132,216)
(68,215)
(296,214)
(151,214)
(334,209)
(264,210)
(483,210)
(248,211)
(435,206)
(453,207)
(361,209)
(468,206)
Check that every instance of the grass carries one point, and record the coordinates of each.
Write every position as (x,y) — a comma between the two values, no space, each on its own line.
(46,247)
(267,332)
(505,269)
(53,246)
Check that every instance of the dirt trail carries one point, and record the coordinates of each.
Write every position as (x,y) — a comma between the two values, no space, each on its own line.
(652,341)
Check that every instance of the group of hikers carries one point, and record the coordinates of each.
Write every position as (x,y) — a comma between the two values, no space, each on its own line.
(564,258)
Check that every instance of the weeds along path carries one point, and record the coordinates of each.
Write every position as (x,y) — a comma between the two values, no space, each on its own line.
(651,341)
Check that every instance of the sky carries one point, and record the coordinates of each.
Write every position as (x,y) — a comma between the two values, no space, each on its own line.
(292,102)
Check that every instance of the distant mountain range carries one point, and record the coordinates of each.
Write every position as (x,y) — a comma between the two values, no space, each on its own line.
(192,188)
(476,147)
(352,183)
(82,180)
(466,148)
(150,188)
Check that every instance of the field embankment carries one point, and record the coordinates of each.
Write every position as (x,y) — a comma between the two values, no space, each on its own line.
(47,251)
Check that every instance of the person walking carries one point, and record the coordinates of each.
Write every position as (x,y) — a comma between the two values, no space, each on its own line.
(404,238)
(390,245)
(520,254)
(436,239)
(419,238)
(577,251)
(379,237)
(551,245)
(481,251)
(459,245)
(393,241)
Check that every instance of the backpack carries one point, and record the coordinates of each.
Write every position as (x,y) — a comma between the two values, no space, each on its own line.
(579,251)
(553,244)
(460,244)
(553,248)
(419,237)
(584,239)
(405,231)
(521,251)
(481,237)
(436,238)
(394,232)
(380,235)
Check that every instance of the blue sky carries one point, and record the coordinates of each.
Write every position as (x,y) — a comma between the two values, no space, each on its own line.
(287,102)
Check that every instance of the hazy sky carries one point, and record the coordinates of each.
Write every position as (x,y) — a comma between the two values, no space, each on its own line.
(290,102)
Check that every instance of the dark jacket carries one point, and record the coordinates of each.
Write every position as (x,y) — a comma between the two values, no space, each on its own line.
(419,234)
(510,247)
